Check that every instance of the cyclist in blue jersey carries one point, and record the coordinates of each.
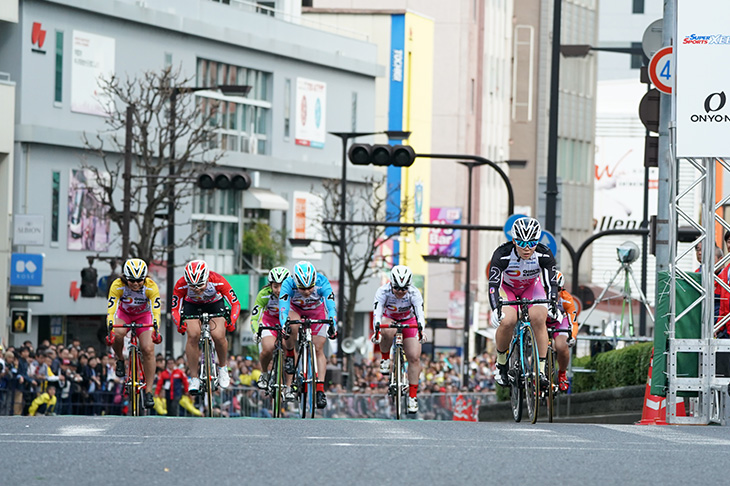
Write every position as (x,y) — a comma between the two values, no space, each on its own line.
(307,293)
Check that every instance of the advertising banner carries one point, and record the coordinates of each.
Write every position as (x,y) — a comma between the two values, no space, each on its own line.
(445,242)
(88,221)
(701,87)
(310,110)
(92,57)
(306,214)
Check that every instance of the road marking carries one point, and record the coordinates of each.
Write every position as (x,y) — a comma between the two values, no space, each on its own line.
(80,430)
(668,434)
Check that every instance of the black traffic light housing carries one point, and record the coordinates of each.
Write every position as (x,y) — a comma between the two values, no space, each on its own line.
(89,287)
(382,155)
(237,180)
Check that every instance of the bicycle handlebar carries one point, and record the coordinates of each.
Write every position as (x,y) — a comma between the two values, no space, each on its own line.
(212,315)
(308,321)
(398,325)
(133,325)
(527,301)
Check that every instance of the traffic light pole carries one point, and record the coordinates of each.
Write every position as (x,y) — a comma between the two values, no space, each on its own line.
(171,224)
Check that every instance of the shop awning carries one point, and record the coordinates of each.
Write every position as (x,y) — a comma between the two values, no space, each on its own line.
(256,198)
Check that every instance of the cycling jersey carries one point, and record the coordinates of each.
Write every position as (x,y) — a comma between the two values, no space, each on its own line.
(134,302)
(507,268)
(265,309)
(216,289)
(386,304)
(290,296)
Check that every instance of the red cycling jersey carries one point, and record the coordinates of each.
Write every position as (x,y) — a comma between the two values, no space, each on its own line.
(216,289)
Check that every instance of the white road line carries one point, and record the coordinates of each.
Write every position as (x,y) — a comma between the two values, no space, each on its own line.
(668,434)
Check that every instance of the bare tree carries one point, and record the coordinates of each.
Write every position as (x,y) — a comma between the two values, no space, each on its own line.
(153,135)
(367,202)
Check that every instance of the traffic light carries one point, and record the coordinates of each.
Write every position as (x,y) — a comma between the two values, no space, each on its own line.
(89,286)
(237,180)
(382,155)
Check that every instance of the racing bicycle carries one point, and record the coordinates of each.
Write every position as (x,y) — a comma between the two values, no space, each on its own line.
(134,383)
(304,383)
(276,382)
(208,371)
(398,386)
(551,370)
(523,362)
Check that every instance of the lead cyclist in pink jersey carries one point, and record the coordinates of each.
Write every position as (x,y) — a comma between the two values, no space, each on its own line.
(516,270)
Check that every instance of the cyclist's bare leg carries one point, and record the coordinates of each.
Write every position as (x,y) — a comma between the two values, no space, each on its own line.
(192,352)
(148,358)
(218,333)
(267,351)
(119,333)
(386,340)
(561,346)
(538,318)
(412,347)
(291,343)
(318,342)
(504,332)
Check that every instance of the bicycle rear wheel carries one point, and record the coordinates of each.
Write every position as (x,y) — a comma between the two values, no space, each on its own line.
(514,375)
(551,372)
(398,392)
(278,370)
(531,370)
(208,377)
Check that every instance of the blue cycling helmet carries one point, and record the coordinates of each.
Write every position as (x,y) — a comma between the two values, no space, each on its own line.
(305,275)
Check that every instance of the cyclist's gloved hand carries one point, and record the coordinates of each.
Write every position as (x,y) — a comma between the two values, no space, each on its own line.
(332,331)
(376,337)
(181,326)
(496,317)
(109,339)
(287,330)
(230,326)
(156,337)
(257,337)
(553,313)
(571,341)
(421,337)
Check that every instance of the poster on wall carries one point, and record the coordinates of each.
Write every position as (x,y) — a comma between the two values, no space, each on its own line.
(92,57)
(310,111)
(445,242)
(88,220)
(306,214)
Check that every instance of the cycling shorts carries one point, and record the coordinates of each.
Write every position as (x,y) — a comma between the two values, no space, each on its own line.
(534,291)
(268,320)
(193,309)
(407,333)
(559,325)
(143,318)
(314,314)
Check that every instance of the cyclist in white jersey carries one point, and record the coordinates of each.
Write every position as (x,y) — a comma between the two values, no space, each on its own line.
(516,270)
(399,300)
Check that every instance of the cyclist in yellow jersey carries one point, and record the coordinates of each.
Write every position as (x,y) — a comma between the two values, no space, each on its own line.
(134,297)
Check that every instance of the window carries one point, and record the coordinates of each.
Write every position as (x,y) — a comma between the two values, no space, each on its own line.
(638,7)
(215,217)
(637,60)
(58,84)
(55,204)
(242,124)
(168,60)
(287,108)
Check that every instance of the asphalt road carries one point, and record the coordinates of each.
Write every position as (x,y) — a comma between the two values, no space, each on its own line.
(177,451)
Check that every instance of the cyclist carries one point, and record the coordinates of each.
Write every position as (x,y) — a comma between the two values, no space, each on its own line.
(200,290)
(516,270)
(307,293)
(566,319)
(399,299)
(134,297)
(266,310)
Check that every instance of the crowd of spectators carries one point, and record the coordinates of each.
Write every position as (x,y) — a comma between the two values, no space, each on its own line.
(68,379)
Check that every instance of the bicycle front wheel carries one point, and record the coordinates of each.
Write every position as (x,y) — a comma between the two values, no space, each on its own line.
(515,386)
(134,378)
(531,373)
(208,377)
(398,372)
(308,385)
(552,377)
(278,370)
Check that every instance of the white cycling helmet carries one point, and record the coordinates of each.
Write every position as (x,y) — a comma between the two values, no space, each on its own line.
(278,275)
(401,277)
(526,229)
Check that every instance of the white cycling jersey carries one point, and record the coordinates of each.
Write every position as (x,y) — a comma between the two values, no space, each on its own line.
(386,304)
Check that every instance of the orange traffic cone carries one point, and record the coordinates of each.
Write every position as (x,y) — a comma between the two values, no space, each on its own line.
(654,411)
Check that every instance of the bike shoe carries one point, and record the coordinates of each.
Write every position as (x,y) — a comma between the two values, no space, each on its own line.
(544,382)
(149,400)
(263,381)
(120,371)
(563,381)
(500,375)
(321,399)
(384,366)
(412,405)
(194,387)
(289,365)
(290,394)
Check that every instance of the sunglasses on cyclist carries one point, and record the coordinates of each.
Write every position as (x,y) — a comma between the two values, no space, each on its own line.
(135,280)
(400,289)
(526,244)
(199,286)
(306,288)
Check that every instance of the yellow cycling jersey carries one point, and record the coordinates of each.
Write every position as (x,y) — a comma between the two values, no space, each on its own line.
(134,302)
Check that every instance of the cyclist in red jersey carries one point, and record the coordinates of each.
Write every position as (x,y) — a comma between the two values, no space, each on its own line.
(198,291)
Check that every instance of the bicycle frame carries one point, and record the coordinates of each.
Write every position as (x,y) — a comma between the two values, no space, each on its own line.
(398,387)
(305,379)
(276,389)
(523,359)
(135,380)
(551,370)
(207,371)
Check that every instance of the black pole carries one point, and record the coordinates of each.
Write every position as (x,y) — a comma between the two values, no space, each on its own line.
(171,224)
(127,182)
(551,192)
(467,292)
(644,240)
(341,291)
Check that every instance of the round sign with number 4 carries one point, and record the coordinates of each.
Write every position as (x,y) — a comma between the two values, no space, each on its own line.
(661,70)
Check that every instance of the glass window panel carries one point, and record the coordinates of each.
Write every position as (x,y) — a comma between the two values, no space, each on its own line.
(55,204)
(58,85)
